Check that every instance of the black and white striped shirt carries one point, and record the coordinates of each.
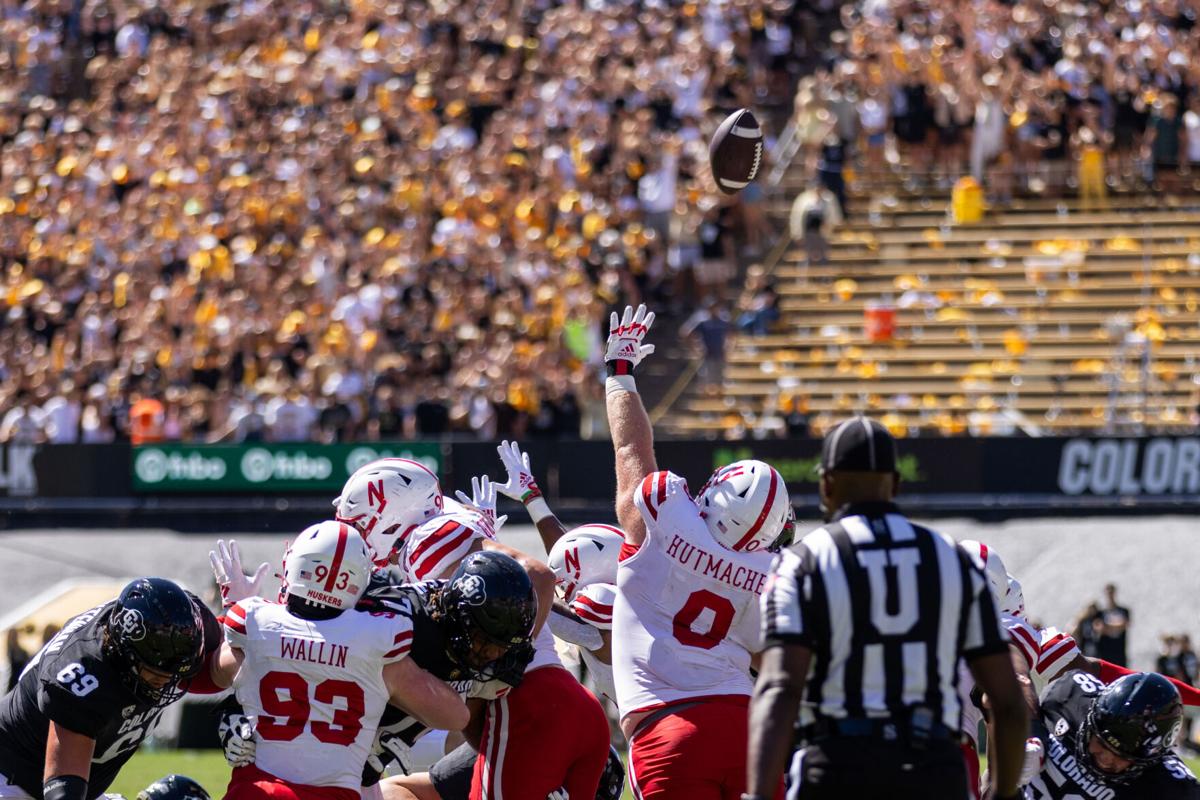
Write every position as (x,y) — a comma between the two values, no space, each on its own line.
(888,608)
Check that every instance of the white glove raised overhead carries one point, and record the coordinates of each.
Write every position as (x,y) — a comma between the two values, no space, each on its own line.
(483,500)
(625,349)
(235,584)
(237,739)
(1035,759)
(520,484)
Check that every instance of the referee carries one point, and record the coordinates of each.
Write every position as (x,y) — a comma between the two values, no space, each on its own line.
(866,620)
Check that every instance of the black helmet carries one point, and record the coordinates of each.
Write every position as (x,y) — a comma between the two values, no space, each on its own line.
(488,600)
(1137,717)
(154,624)
(612,780)
(174,787)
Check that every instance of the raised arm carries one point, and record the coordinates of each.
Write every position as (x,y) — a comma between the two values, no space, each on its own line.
(226,664)
(628,422)
(521,486)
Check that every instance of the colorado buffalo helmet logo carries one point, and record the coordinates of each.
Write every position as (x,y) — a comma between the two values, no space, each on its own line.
(473,590)
(133,627)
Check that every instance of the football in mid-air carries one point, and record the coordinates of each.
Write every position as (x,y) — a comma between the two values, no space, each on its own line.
(736,151)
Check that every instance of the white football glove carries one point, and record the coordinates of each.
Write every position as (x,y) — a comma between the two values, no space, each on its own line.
(389,748)
(1035,759)
(483,500)
(625,349)
(558,794)
(520,485)
(235,585)
(237,739)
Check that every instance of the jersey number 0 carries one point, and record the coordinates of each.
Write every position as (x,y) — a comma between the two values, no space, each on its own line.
(697,603)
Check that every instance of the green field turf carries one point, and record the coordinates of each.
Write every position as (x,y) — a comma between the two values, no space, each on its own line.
(208,767)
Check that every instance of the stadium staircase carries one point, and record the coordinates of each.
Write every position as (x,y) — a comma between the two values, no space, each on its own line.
(1043,318)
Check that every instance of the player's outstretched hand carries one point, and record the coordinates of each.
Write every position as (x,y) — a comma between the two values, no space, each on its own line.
(519,485)
(625,349)
(235,584)
(482,500)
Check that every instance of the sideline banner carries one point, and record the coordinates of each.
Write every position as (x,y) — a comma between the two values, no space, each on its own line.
(264,468)
(1095,472)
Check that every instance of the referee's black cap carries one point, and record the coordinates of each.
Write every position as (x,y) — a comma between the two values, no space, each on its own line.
(860,444)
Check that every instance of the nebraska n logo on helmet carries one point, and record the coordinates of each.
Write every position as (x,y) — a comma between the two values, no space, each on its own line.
(585,555)
(746,507)
(385,500)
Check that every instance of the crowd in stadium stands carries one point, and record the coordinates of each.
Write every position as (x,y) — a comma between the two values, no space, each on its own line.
(1023,95)
(302,219)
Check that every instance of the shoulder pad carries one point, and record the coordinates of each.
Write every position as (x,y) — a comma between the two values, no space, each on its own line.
(1024,637)
(594,604)
(1176,769)
(438,545)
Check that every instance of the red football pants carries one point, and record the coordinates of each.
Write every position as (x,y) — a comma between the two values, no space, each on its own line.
(548,733)
(696,753)
(251,783)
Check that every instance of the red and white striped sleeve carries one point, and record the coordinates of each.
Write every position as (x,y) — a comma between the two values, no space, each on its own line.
(1056,651)
(399,637)
(594,605)
(651,494)
(234,621)
(1026,638)
(659,493)
(434,549)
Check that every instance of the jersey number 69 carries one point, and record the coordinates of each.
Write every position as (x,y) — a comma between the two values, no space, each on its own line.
(77,679)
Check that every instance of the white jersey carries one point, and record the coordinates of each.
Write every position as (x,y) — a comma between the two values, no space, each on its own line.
(437,546)
(686,618)
(1047,652)
(315,686)
(594,605)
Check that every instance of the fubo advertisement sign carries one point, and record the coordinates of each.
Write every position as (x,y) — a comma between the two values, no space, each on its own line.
(262,467)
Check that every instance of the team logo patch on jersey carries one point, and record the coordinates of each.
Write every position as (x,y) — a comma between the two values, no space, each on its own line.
(1061,727)
(473,590)
(133,627)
